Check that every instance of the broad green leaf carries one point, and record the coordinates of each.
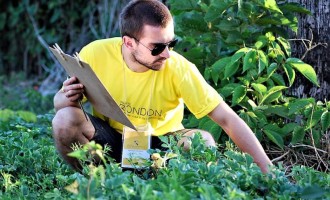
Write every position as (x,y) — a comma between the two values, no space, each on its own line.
(228,89)
(304,69)
(238,95)
(271,69)
(299,104)
(298,135)
(271,4)
(290,73)
(260,88)
(274,136)
(314,119)
(273,94)
(262,61)
(286,45)
(249,60)
(262,41)
(295,7)
(325,120)
(277,78)
(280,110)
(252,103)
(231,69)
(220,64)
(273,97)
(288,128)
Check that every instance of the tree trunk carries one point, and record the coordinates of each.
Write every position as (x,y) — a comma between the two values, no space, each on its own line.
(315,28)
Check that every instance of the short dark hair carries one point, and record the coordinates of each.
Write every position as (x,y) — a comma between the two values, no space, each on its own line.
(138,13)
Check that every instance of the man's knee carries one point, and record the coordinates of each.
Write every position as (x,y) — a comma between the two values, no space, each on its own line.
(63,122)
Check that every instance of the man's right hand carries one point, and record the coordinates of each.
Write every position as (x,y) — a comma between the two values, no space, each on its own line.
(69,95)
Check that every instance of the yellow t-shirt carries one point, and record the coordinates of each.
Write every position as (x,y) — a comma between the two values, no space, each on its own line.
(154,96)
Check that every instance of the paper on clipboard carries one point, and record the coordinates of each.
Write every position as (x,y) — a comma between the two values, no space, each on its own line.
(95,92)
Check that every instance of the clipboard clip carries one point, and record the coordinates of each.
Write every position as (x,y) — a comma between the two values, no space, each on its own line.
(59,50)
(76,56)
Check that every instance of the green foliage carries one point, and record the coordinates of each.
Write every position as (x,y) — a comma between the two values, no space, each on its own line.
(201,173)
(29,27)
(19,94)
(30,168)
(242,49)
(29,163)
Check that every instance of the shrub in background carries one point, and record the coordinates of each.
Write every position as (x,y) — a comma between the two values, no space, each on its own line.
(242,49)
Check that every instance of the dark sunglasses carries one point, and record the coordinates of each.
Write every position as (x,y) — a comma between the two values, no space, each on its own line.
(159,47)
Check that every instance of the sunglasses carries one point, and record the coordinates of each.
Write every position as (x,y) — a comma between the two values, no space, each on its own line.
(159,47)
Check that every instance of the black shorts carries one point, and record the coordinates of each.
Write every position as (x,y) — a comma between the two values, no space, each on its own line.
(106,135)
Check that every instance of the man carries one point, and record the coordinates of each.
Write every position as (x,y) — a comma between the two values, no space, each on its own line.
(151,83)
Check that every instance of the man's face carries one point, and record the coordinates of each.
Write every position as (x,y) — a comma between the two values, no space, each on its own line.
(151,37)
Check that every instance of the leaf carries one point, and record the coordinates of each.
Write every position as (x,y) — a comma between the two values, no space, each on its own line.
(298,135)
(238,95)
(262,61)
(325,120)
(271,4)
(220,64)
(249,60)
(304,69)
(288,128)
(314,119)
(299,104)
(278,79)
(273,94)
(228,89)
(260,88)
(262,41)
(271,69)
(290,73)
(312,192)
(272,133)
(231,69)
(286,45)
(295,7)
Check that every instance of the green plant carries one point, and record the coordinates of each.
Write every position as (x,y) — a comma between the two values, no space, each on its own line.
(29,163)
(202,173)
(242,49)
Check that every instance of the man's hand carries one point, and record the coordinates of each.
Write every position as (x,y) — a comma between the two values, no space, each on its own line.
(69,95)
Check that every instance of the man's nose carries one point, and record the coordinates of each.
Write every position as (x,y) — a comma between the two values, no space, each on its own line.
(165,53)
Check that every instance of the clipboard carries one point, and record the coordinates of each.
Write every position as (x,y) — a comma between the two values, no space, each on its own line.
(95,91)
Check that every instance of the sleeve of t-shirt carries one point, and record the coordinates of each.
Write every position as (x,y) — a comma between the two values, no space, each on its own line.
(198,95)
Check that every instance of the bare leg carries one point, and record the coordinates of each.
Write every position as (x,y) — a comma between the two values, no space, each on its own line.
(71,127)
(209,140)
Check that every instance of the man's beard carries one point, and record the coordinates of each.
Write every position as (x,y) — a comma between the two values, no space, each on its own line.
(150,65)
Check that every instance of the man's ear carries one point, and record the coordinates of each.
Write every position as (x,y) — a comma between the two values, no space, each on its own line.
(128,42)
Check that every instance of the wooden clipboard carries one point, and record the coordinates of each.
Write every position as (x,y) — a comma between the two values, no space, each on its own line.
(95,92)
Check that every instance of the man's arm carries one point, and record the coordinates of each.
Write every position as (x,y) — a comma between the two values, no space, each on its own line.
(241,134)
